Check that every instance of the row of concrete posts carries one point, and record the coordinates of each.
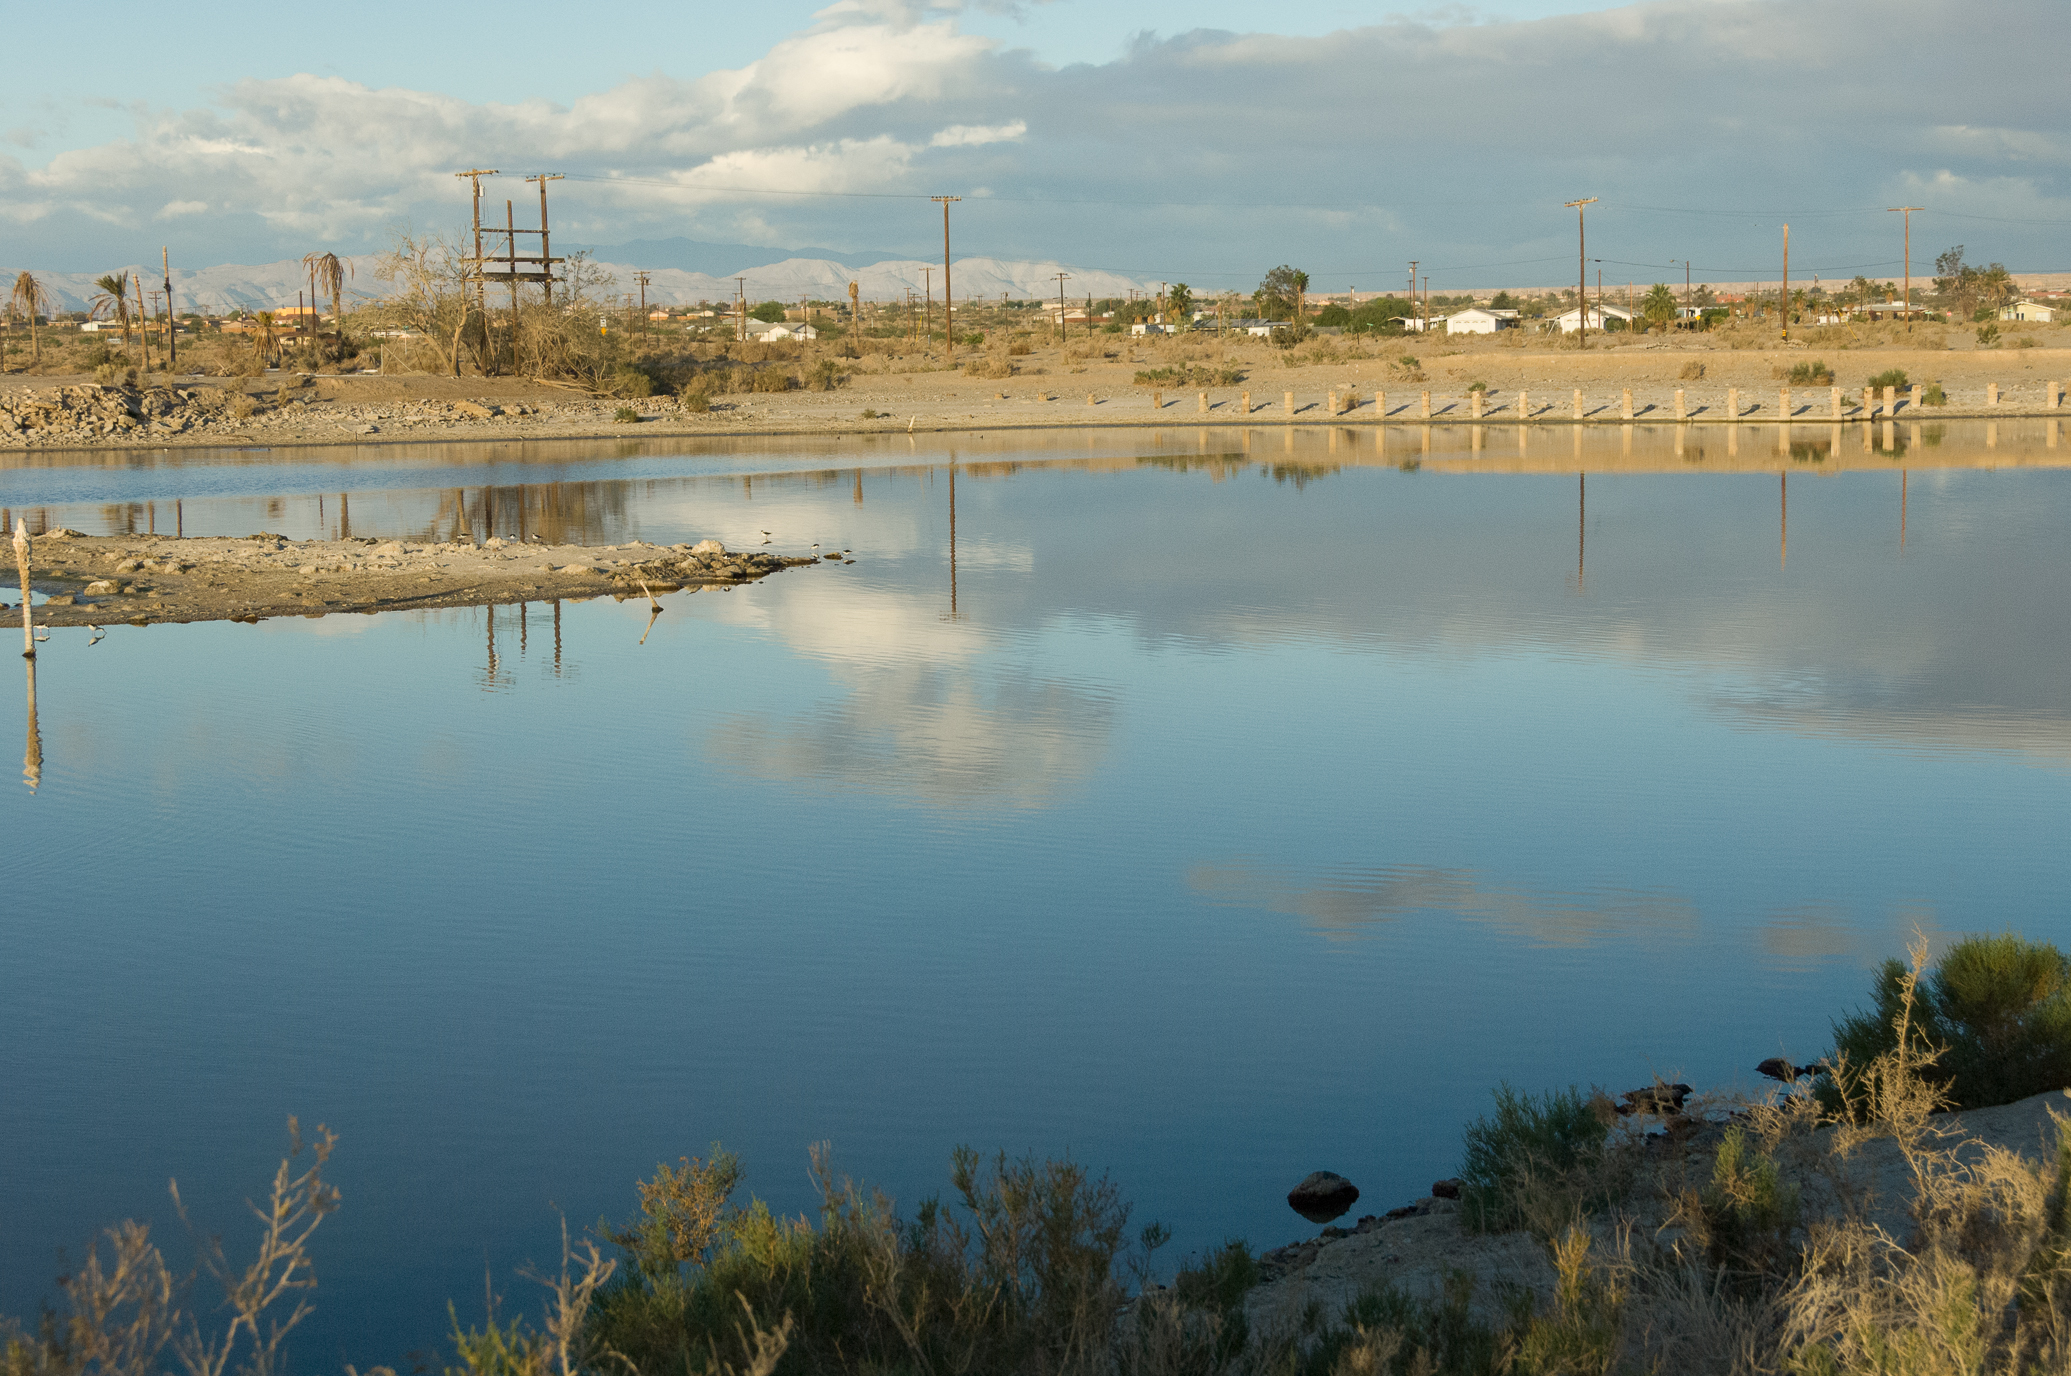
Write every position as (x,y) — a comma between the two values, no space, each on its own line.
(1340,403)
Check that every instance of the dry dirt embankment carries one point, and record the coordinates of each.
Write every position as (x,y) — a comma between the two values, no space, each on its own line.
(144,578)
(1416,1248)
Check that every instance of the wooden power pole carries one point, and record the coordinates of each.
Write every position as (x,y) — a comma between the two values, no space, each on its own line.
(1907,211)
(172,322)
(1786,283)
(1060,307)
(948,311)
(1582,260)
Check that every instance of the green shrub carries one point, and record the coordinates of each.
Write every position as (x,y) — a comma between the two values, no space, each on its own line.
(1988,335)
(1333,314)
(1934,395)
(1813,374)
(1020,1278)
(1749,1213)
(1998,1008)
(769,312)
(1529,1141)
(697,401)
(1891,377)
(1478,387)
(625,415)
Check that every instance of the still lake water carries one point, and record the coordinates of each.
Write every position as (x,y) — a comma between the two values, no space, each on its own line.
(1227,809)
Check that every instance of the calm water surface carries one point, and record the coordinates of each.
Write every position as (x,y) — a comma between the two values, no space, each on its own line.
(1212,814)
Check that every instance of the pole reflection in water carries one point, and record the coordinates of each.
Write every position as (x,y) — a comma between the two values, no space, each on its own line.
(1902,476)
(557,637)
(1783,520)
(32,753)
(1581,528)
(952,537)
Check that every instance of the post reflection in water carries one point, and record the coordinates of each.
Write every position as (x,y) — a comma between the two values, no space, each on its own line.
(952,536)
(1783,520)
(32,752)
(1902,476)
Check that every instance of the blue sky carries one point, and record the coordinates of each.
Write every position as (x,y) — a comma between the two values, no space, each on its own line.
(1203,142)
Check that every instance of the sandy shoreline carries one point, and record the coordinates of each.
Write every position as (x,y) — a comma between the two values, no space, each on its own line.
(147,579)
(1052,389)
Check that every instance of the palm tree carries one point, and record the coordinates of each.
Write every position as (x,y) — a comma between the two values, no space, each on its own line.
(327,272)
(264,338)
(31,299)
(1659,305)
(113,301)
(1301,290)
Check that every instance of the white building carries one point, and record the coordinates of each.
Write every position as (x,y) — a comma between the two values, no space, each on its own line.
(2029,310)
(771,334)
(1571,320)
(1476,320)
(1417,325)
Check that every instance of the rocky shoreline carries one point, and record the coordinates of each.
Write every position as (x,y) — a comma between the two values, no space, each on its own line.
(145,579)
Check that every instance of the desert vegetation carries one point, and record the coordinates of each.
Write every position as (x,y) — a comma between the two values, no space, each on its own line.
(1742,1237)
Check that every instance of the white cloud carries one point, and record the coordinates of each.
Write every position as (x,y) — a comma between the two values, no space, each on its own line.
(972,136)
(172,210)
(1214,154)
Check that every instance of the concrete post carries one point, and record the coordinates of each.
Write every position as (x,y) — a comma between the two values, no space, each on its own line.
(1890,402)
(1157,399)
(1991,394)
(1089,399)
(1287,400)
(1380,405)
(1247,403)
(1732,403)
(1625,407)
(1204,403)
(1474,400)
(1914,400)
(1330,403)
(1681,411)
(1869,402)
(1578,403)
(2052,395)
(1783,403)
(1837,403)
(1524,406)
(1427,406)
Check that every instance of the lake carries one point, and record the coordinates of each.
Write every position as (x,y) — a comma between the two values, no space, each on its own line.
(1212,806)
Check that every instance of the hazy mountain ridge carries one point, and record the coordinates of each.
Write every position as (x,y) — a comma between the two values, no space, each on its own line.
(265,286)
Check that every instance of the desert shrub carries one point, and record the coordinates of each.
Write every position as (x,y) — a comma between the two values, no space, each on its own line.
(1020,347)
(1019,1275)
(1996,1009)
(826,375)
(1478,386)
(1934,395)
(1333,314)
(1988,334)
(1529,1143)
(1812,374)
(870,413)
(1693,371)
(625,415)
(242,405)
(1747,1215)
(1891,377)
(625,380)
(697,401)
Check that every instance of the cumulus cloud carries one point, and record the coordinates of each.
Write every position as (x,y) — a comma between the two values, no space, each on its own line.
(1213,154)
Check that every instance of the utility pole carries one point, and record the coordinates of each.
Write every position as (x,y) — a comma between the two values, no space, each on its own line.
(474,176)
(927,304)
(948,311)
(1060,306)
(642,279)
(1582,269)
(740,308)
(1786,283)
(172,321)
(855,313)
(546,251)
(1907,211)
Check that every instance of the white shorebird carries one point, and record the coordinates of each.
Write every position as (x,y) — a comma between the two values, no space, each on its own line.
(97,634)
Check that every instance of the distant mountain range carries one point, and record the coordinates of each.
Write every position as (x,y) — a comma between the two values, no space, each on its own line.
(680,274)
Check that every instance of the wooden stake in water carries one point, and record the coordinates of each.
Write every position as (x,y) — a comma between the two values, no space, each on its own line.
(21,562)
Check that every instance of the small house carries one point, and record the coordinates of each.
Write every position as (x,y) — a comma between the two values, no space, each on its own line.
(1477,320)
(2029,310)
(1571,319)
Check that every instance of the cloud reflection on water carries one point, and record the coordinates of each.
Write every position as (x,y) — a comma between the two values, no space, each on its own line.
(1353,901)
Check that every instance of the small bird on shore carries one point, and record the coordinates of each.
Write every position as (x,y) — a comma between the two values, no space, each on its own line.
(97,634)
(1777,1068)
